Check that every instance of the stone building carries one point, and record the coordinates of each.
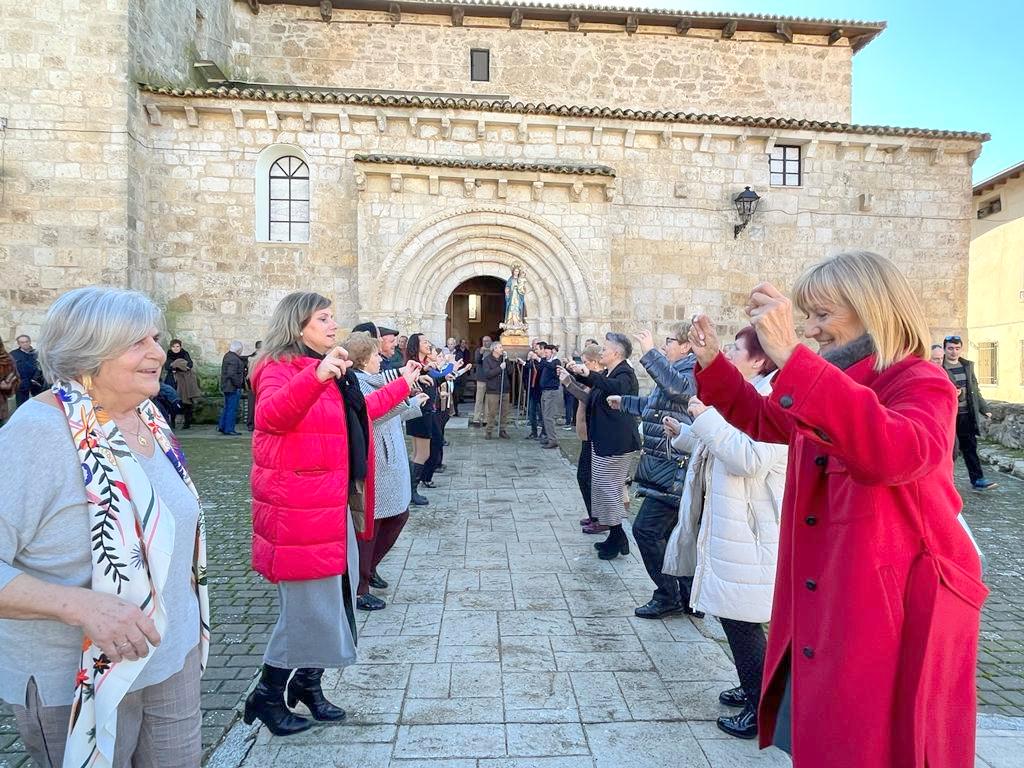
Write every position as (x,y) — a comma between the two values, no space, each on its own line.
(995,296)
(401,156)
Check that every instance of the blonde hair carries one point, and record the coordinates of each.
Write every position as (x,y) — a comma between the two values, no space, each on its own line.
(880,296)
(591,352)
(360,345)
(291,315)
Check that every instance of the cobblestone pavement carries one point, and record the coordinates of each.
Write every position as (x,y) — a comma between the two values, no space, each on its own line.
(506,643)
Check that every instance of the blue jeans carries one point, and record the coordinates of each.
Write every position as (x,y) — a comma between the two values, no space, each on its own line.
(534,415)
(229,415)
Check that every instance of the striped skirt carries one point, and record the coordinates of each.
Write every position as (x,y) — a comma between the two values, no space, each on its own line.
(607,487)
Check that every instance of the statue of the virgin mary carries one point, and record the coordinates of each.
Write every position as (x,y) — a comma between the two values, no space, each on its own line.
(515,302)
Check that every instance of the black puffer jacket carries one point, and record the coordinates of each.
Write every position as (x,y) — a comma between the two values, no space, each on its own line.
(674,386)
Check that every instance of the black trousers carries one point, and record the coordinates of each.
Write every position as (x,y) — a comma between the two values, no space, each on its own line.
(583,475)
(747,643)
(967,442)
(186,412)
(436,456)
(651,529)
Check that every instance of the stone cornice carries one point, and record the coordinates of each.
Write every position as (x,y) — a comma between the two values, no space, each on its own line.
(488,165)
(308,96)
(573,15)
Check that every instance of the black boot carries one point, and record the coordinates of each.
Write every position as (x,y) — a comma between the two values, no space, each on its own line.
(743,725)
(616,544)
(305,687)
(417,499)
(266,703)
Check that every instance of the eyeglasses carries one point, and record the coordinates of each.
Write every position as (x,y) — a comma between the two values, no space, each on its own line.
(953,340)
(672,339)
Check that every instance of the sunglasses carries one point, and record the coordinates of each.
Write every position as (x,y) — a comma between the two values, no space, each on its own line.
(952,339)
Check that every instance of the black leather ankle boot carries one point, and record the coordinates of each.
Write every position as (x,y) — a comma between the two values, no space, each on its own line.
(305,687)
(416,471)
(743,725)
(266,703)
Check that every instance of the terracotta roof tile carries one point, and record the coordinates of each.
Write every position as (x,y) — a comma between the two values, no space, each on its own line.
(247,93)
(488,165)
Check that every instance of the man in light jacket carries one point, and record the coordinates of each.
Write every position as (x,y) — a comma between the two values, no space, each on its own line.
(659,474)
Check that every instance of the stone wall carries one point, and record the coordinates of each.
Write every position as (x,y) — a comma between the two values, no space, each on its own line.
(64,94)
(649,247)
(1006,426)
(750,74)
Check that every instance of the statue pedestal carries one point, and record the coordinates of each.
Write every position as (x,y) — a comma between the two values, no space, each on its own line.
(515,341)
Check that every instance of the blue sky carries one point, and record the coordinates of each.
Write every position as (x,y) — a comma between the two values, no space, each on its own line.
(940,64)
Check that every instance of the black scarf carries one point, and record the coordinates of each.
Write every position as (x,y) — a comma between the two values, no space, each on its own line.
(355,419)
(852,353)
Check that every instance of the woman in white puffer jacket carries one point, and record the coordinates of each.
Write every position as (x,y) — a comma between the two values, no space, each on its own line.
(728,531)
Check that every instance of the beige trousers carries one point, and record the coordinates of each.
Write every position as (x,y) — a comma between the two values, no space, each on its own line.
(157,727)
(492,400)
(478,405)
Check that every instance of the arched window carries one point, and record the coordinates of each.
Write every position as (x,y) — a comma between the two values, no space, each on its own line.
(282,195)
(289,201)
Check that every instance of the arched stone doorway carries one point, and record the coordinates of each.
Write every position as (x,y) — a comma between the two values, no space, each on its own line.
(475,309)
(441,252)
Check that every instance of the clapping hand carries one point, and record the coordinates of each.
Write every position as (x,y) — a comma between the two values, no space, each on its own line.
(704,340)
(672,426)
(334,364)
(563,375)
(695,407)
(424,381)
(410,372)
(646,339)
(420,399)
(771,314)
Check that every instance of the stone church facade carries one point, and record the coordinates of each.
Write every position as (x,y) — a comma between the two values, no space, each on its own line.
(220,154)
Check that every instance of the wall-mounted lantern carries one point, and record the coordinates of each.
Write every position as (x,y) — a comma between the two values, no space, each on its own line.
(746,204)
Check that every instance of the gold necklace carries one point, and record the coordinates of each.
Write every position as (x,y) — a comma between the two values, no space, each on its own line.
(138,431)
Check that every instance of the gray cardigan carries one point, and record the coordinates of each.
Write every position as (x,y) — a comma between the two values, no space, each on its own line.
(392,491)
(44,533)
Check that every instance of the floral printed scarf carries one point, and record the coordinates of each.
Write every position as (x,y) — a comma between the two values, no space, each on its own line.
(132,538)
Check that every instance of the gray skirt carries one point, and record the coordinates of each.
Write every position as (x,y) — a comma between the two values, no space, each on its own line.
(317,627)
(607,487)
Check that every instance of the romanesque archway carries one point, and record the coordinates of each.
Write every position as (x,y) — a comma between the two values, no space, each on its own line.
(439,253)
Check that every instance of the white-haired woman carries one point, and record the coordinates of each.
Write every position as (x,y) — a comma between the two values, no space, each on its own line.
(874,633)
(312,499)
(232,382)
(102,559)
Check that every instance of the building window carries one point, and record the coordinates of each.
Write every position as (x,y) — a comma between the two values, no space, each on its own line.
(987,363)
(480,65)
(1022,362)
(784,165)
(986,209)
(474,308)
(289,201)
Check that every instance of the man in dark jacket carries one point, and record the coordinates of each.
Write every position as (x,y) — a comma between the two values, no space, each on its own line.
(232,380)
(658,475)
(971,408)
(495,375)
(26,360)
(550,387)
(531,382)
(481,383)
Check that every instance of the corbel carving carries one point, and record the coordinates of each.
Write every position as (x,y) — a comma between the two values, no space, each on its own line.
(396,182)
(458,14)
(395,12)
(522,133)
(272,119)
(866,201)
(238,118)
(254,6)
(344,124)
(153,111)
(446,127)
(560,134)
(360,179)
(326,9)
(434,185)
(937,154)
(595,138)
(577,191)
(382,122)
(574,22)
(538,190)
(481,129)
(632,23)
(191,117)
(729,30)
(515,21)
(307,118)
(469,187)
(502,188)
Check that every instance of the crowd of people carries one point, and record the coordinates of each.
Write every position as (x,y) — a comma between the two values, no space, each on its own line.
(811,490)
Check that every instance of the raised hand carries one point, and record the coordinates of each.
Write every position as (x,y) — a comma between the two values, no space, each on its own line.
(420,399)
(695,407)
(334,364)
(771,314)
(646,340)
(614,402)
(704,340)
(411,372)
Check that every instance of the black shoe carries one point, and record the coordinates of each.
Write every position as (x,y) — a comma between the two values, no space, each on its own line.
(609,549)
(428,483)
(266,704)
(305,687)
(655,609)
(690,612)
(233,434)
(504,435)
(531,436)
(734,697)
(370,603)
(377,582)
(743,725)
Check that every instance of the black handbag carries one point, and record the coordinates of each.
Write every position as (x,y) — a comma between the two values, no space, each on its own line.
(664,473)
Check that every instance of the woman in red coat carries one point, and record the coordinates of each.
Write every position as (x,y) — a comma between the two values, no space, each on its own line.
(874,633)
(312,498)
